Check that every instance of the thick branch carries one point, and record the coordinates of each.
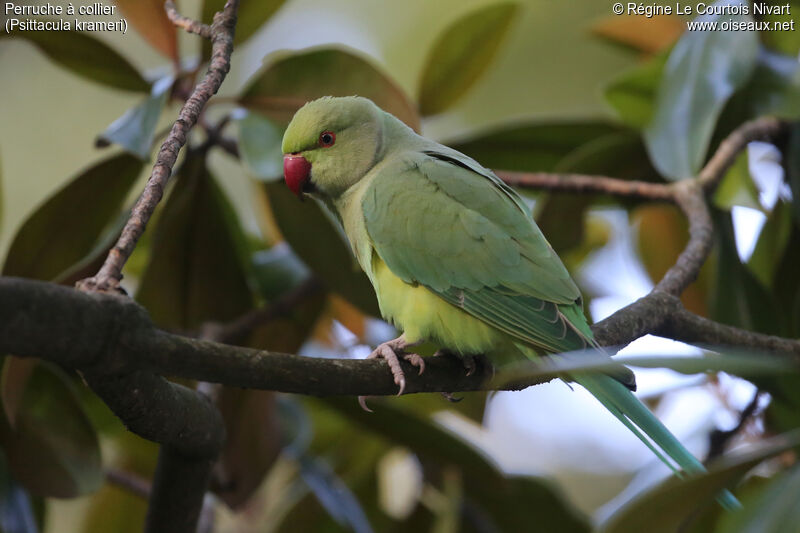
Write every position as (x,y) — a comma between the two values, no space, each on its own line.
(110,274)
(107,331)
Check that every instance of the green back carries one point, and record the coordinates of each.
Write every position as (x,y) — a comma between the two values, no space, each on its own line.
(439,219)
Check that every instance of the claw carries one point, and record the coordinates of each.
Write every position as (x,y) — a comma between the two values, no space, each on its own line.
(388,351)
(362,401)
(450,398)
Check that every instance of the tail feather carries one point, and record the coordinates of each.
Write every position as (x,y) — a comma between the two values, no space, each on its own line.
(636,417)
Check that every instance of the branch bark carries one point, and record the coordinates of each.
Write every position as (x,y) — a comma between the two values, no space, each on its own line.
(221,34)
(93,331)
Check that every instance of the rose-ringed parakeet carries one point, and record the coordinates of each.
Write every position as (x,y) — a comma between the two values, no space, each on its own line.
(453,253)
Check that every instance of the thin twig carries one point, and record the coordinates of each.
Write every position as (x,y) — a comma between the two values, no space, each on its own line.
(235,330)
(587,184)
(222,30)
(719,438)
(129,481)
(761,129)
(190,25)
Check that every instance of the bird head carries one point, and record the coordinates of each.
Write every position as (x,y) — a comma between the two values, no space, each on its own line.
(330,144)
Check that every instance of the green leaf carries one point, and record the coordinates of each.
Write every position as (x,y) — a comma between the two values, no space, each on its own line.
(662,233)
(560,215)
(676,500)
(785,13)
(150,20)
(497,495)
(65,228)
(769,509)
(530,147)
(772,241)
(253,441)
(319,242)
(86,56)
(290,79)
(738,363)
(16,508)
(461,54)
(333,495)
(703,70)
(737,297)
(250,17)
(196,271)
(791,165)
(737,187)
(633,93)
(53,449)
(13,381)
(134,131)
(260,146)
(277,270)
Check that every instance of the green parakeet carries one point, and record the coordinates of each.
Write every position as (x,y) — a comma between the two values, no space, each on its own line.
(453,253)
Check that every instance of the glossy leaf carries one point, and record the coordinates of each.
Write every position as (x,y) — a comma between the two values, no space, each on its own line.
(252,442)
(260,146)
(633,93)
(65,228)
(770,509)
(560,215)
(461,54)
(196,271)
(773,89)
(53,449)
(738,363)
(530,147)
(498,496)
(134,131)
(13,381)
(334,495)
(150,20)
(737,187)
(771,244)
(250,17)
(791,166)
(662,233)
(678,500)
(785,13)
(115,508)
(702,72)
(86,56)
(1,196)
(313,236)
(639,32)
(737,297)
(290,79)
(17,514)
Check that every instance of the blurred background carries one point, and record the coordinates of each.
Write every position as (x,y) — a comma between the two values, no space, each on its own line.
(528,86)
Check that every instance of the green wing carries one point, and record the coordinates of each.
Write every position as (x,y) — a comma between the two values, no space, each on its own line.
(439,219)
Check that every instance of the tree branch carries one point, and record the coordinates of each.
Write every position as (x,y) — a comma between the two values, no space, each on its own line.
(93,331)
(587,184)
(190,25)
(221,34)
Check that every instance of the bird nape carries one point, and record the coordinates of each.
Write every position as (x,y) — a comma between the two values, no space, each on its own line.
(453,253)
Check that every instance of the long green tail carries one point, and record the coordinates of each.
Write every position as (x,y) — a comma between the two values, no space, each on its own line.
(635,416)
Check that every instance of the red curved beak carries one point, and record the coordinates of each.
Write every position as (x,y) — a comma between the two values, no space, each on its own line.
(296,172)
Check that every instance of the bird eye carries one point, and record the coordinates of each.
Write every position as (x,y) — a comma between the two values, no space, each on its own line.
(327,138)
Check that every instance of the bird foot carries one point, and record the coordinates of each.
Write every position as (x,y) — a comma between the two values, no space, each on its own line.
(469,362)
(392,351)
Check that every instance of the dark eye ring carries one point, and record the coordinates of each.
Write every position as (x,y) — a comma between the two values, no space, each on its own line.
(327,138)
